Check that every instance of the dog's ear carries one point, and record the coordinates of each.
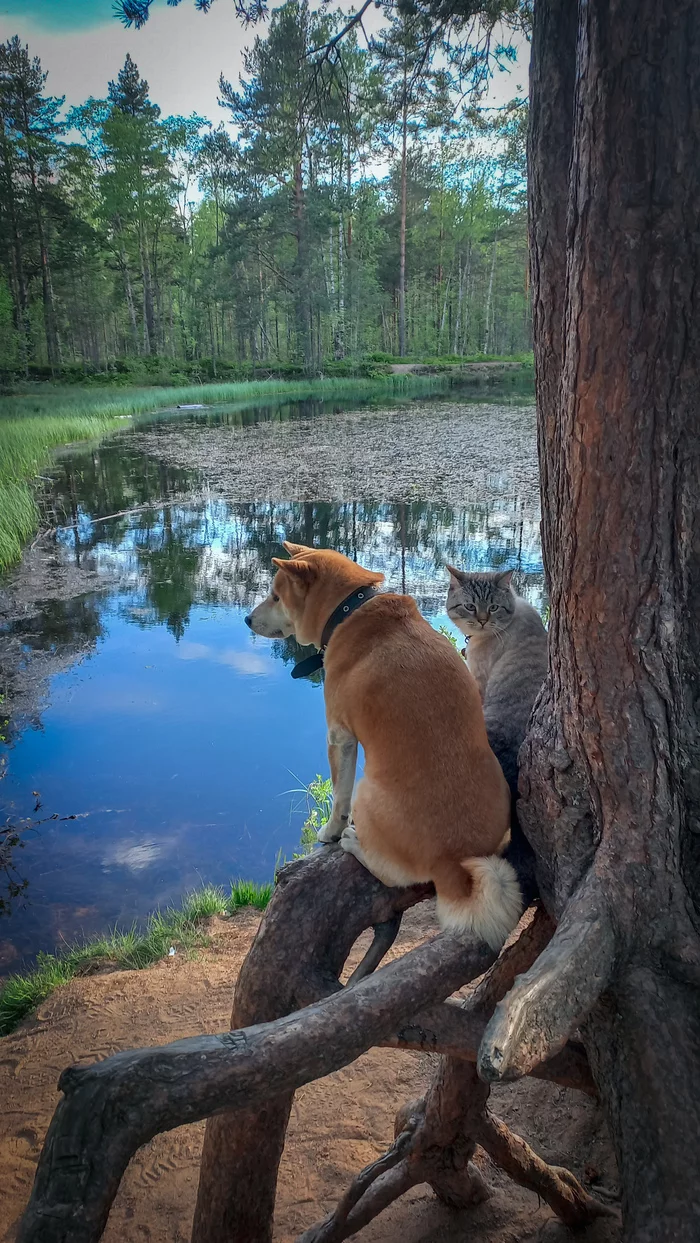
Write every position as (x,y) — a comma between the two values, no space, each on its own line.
(295,550)
(295,567)
(455,573)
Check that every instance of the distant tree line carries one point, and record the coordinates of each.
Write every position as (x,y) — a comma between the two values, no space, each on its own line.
(349,211)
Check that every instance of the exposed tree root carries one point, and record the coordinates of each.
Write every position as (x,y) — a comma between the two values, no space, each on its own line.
(437,1137)
(557,1186)
(384,936)
(435,1144)
(546,1005)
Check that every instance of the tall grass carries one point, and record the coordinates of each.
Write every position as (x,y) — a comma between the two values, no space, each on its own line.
(32,424)
(64,402)
(173,929)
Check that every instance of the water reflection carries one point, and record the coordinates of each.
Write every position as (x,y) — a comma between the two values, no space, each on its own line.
(215,552)
(165,739)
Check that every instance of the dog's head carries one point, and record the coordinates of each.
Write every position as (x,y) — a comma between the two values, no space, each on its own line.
(305,591)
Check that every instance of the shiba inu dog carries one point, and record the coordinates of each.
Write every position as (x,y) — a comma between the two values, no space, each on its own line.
(433,804)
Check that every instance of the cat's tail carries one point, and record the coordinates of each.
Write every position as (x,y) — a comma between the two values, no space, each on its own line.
(479,896)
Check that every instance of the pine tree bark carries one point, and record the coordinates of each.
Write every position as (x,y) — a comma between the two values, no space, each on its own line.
(402,221)
(611,778)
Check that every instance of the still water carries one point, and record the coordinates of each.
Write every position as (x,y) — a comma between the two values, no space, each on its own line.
(156,744)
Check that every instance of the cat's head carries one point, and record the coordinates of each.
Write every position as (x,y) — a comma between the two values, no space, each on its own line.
(480,603)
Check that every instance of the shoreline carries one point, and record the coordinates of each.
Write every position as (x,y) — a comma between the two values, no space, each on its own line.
(165,934)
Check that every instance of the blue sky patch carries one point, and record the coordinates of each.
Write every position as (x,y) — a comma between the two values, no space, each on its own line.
(62,15)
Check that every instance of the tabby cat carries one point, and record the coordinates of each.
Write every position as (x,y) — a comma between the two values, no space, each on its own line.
(507,654)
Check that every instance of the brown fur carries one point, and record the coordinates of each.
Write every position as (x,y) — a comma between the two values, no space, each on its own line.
(433,801)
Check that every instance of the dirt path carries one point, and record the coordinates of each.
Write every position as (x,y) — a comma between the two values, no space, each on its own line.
(485,368)
(338,1124)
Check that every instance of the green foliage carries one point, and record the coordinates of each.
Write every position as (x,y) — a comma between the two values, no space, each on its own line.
(19,517)
(9,337)
(448,634)
(248,893)
(287,260)
(319,803)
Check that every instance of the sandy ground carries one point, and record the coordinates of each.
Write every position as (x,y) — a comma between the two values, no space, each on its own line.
(338,1124)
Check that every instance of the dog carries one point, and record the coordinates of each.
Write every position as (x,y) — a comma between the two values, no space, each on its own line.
(433,804)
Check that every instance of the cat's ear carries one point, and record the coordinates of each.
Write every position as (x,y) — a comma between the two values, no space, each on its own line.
(503,580)
(453,572)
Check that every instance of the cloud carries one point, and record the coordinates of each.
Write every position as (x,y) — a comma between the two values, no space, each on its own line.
(134,857)
(245,662)
(242,662)
(195,651)
(179,51)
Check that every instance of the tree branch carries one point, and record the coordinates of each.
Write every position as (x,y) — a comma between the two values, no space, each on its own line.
(326,49)
(456,1029)
(543,1008)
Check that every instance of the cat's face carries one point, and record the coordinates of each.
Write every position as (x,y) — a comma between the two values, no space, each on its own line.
(480,603)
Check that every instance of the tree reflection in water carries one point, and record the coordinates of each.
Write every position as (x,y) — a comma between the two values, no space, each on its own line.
(174,555)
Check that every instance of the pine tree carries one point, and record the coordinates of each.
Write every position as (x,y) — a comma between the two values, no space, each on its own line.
(130,92)
(31,132)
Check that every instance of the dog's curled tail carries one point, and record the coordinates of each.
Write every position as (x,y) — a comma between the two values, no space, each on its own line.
(479,896)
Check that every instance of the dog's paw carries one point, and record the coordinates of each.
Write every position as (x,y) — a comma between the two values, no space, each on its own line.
(349,841)
(329,833)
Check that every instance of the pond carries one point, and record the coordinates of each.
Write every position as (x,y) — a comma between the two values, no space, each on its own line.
(154,743)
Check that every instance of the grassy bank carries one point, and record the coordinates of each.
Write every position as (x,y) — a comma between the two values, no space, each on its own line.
(34,423)
(180,929)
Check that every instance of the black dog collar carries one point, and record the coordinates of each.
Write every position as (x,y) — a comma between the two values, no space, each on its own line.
(344,610)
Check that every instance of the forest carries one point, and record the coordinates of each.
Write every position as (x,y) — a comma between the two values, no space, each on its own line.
(343,211)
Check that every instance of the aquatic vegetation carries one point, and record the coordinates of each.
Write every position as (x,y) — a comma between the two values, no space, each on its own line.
(318,797)
(32,424)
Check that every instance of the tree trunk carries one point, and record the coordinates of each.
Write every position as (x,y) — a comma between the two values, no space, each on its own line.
(149,325)
(611,783)
(301,275)
(128,288)
(489,297)
(402,225)
(339,342)
(242,1151)
(15,253)
(52,347)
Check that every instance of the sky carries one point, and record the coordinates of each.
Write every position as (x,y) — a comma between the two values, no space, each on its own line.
(179,51)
